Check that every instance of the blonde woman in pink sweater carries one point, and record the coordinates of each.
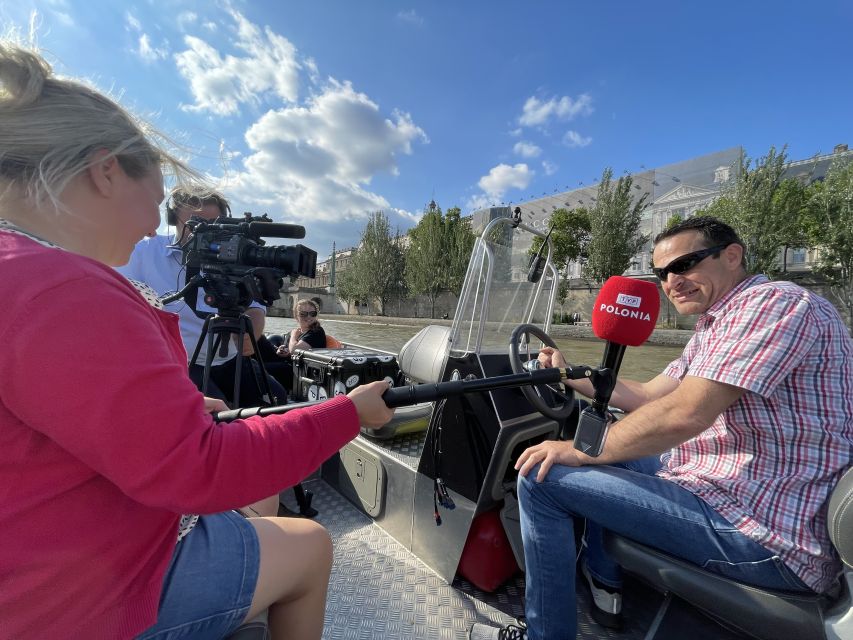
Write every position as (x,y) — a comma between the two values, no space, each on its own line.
(100,461)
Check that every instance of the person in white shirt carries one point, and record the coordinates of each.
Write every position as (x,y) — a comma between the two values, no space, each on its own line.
(157,262)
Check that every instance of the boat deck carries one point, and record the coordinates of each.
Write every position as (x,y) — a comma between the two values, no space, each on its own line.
(380,590)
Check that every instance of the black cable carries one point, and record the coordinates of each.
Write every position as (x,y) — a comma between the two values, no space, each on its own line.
(440,495)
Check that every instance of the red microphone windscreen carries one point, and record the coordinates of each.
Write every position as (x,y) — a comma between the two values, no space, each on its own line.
(625,311)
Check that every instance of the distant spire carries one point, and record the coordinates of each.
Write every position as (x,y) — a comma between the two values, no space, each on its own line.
(332,270)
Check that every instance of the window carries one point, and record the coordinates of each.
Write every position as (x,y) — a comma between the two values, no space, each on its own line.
(721,174)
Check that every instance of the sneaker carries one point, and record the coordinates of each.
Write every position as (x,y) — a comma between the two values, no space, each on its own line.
(487,632)
(606,607)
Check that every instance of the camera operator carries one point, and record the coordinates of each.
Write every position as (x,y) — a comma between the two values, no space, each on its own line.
(157,262)
(95,474)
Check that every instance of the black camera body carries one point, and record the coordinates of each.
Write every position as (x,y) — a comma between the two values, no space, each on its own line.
(229,259)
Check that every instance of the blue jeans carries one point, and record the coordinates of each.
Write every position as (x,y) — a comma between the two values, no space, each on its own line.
(630,500)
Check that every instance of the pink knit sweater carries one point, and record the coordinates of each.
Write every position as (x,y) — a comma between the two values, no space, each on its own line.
(104,442)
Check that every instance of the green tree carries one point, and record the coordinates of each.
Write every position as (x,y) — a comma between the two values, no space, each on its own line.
(829,227)
(438,252)
(426,256)
(460,242)
(674,220)
(615,236)
(348,287)
(763,208)
(570,236)
(791,203)
(375,271)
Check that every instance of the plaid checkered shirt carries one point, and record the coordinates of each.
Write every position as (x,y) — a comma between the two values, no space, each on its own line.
(770,461)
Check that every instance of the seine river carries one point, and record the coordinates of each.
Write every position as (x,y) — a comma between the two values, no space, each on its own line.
(640,363)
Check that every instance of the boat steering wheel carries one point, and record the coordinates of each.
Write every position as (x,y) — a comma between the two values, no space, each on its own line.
(538,395)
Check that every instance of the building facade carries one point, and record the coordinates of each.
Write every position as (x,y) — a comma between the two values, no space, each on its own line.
(681,189)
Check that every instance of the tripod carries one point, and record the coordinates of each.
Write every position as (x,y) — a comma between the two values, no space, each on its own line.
(217,331)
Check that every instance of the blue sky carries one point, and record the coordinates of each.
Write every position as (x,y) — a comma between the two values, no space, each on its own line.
(321,111)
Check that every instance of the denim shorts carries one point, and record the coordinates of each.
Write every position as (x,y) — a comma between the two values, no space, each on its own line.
(208,587)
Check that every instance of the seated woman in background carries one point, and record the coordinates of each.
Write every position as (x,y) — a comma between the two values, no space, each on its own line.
(309,334)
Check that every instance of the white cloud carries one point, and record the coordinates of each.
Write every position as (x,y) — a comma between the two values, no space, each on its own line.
(526,149)
(145,50)
(132,21)
(187,19)
(411,16)
(315,161)
(310,65)
(549,167)
(149,53)
(479,201)
(574,139)
(309,157)
(536,112)
(63,18)
(220,84)
(504,177)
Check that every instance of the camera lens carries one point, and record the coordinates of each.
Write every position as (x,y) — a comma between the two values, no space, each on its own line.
(273,257)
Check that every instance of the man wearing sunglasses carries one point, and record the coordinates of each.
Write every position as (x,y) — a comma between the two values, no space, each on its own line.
(725,460)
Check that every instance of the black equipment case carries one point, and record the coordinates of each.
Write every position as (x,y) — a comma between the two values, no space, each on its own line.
(324,373)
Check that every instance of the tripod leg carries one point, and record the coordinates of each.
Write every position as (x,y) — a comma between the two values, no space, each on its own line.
(212,344)
(238,372)
(200,341)
(263,385)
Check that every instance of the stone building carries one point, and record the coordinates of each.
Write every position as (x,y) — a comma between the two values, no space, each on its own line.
(681,189)
(678,189)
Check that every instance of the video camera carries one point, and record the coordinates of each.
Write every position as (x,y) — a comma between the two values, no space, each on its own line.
(228,259)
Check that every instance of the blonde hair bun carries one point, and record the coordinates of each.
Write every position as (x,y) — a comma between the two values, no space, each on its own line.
(22,75)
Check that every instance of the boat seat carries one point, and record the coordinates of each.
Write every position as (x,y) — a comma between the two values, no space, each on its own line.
(421,360)
(333,343)
(760,613)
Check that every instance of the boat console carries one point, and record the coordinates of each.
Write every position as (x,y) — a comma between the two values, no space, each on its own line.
(427,490)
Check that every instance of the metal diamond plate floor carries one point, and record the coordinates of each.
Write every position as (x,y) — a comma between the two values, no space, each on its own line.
(379,590)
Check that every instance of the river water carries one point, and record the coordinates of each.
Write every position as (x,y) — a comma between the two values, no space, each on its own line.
(640,363)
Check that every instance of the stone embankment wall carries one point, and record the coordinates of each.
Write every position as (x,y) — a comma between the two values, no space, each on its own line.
(579,301)
(666,337)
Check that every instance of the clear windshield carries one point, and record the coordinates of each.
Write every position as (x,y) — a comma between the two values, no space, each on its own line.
(497,296)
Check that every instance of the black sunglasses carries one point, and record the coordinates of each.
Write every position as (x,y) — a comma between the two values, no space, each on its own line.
(687,262)
(307,314)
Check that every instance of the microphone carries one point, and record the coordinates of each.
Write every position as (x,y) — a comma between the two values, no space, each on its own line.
(624,314)
(276,230)
(534,273)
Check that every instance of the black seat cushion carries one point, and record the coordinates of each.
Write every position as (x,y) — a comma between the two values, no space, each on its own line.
(762,613)
(840,518)
(253,630)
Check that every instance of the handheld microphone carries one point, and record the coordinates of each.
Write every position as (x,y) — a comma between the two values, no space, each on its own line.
(624,314)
